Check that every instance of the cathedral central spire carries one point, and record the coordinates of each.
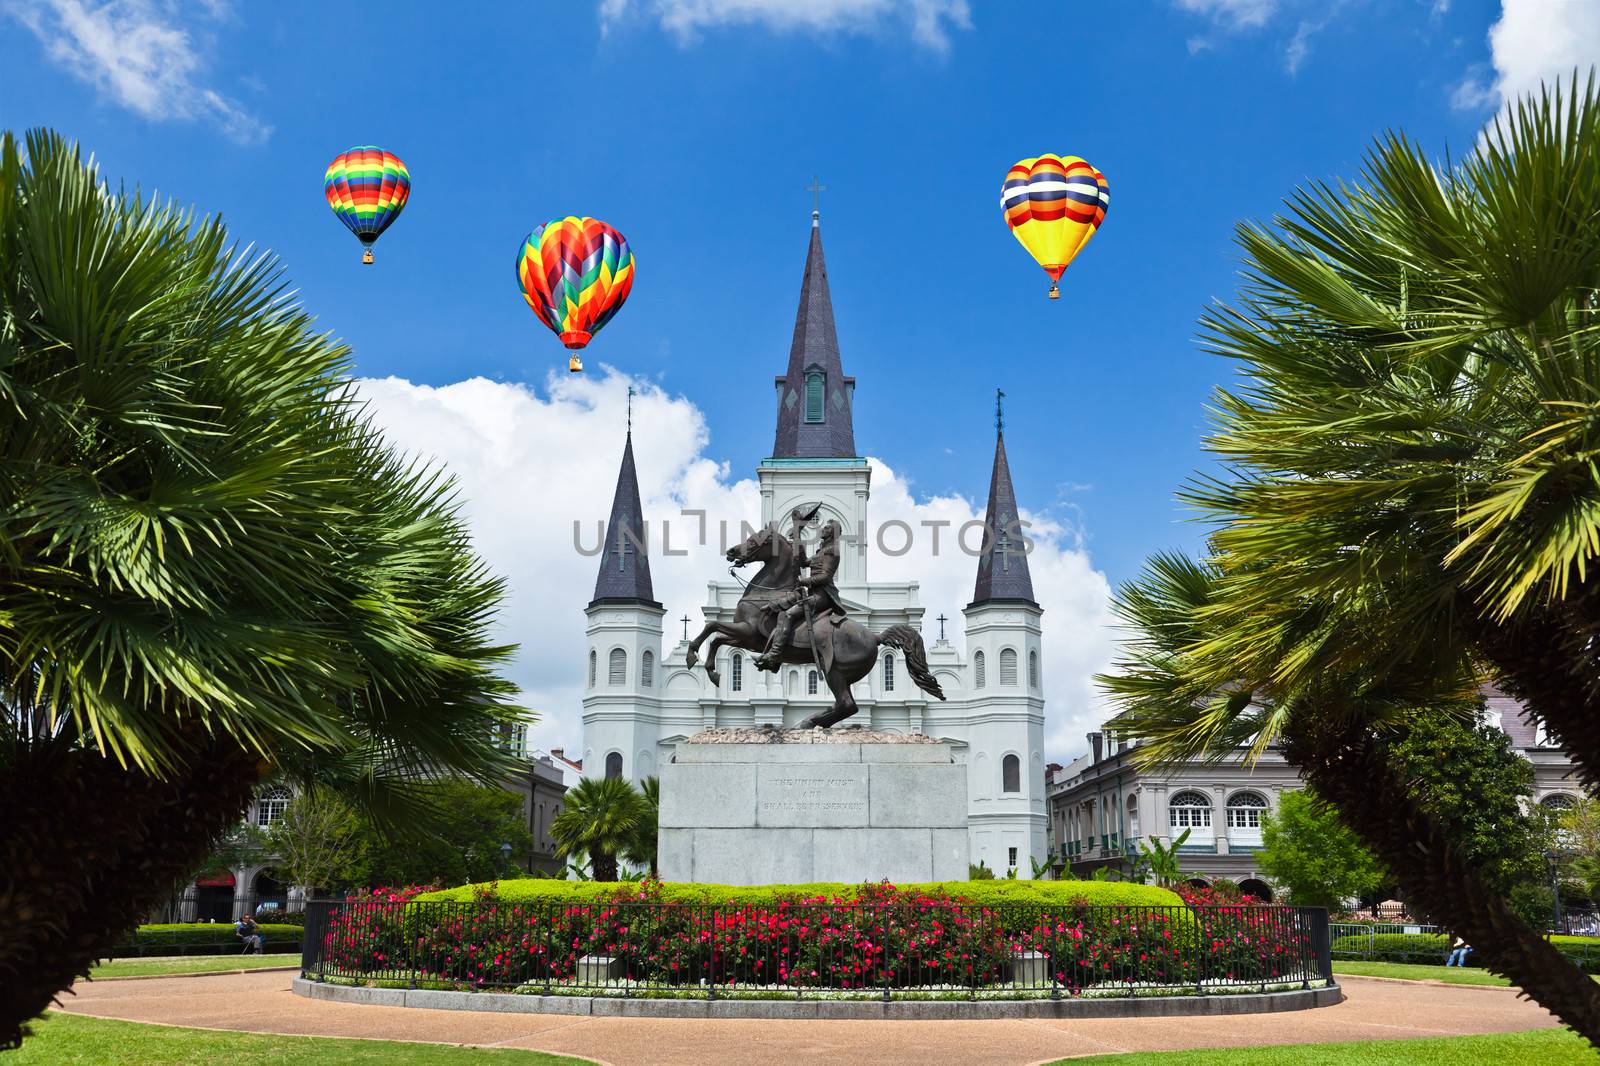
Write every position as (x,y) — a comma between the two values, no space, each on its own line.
(814,395)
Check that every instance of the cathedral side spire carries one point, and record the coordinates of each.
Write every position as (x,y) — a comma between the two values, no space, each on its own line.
(814,395)
(1003,570)
(624,564)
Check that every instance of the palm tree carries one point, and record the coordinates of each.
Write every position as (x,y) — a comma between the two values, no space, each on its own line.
(212,568)
(642,850)
(1408,500)
(600,817)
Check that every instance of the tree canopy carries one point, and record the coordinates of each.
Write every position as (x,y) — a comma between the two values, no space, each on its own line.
(1309,853)
(213,566)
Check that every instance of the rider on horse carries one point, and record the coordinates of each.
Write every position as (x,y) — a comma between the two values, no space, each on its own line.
(816,594)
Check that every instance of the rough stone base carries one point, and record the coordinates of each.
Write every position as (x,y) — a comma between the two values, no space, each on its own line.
(774,811)
(898,1009)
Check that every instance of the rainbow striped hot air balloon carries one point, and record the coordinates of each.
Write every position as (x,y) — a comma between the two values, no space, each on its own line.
(1053,205)
(575,273)
(367,188)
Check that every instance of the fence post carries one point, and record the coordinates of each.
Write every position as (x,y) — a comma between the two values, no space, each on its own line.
(549,946)
(1323,943)
(1199,952)
(713,961)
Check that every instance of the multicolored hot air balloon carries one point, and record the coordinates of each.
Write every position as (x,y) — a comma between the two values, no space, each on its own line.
(575,273)
(367,188)
(1053,205)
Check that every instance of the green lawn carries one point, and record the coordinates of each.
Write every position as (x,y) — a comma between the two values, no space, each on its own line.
(1454,975)
(74,1040)
(1548,1047)
(189,964)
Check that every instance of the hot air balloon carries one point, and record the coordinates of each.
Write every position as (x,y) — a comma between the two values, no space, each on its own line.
(1053,205)
(367,188)
(575,273)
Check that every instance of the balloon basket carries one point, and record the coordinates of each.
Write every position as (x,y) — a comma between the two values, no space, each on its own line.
(1055,291)
(366,256)
(574,364)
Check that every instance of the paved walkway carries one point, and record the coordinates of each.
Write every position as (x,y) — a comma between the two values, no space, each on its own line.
(262,1003)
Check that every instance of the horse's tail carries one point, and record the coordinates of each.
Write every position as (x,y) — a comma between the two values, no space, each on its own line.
(909,641)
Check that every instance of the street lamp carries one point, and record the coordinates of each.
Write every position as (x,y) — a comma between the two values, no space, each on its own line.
(505,858)
(1553,859)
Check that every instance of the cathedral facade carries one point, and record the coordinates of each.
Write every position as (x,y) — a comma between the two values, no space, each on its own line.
(641,698)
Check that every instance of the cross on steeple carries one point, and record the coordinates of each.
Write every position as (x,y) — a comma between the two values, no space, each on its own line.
(941,620)
(630,410)
(685,621)
(816,189)
(999,411)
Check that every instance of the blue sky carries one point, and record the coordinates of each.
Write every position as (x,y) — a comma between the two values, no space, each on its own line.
(693,127)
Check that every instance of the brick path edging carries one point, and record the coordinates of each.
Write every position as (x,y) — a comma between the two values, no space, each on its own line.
(919,1010)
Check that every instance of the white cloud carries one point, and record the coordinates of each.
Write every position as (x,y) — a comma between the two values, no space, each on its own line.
(530,461)
(929,21)
(1236,14)
(140,54)
(1299,46)
(1534,42)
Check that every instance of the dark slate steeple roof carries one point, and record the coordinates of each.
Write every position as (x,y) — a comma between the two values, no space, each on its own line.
(1003,571)
(624,565)
(815,347)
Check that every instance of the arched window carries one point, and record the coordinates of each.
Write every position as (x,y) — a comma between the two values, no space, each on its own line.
(1190,810)
(271,805)
(1133,816)
(1244,810)
(816,388)
(1011,774)
(977,669)
(812,679)
(888,673)
(647,670)
(614,764)
(1033,669)
(1244,818)
(1008,667)
(617,670)
(594,664)
(736,673)
(1558,801)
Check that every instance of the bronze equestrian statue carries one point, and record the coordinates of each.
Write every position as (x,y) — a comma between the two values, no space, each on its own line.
(772,620)
(815,596)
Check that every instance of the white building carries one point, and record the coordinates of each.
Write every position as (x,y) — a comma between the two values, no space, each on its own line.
(641,699)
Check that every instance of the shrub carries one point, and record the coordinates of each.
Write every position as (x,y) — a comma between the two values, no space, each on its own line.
(190,938)
(859,936)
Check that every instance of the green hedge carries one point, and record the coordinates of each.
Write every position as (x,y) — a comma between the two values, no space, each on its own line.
(981,893)
(1413,947)
(1584,951)
(191,938)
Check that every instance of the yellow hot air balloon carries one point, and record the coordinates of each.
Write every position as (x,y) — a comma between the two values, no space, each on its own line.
(1053,205)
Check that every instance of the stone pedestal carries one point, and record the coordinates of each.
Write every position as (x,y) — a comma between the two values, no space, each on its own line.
(757,807)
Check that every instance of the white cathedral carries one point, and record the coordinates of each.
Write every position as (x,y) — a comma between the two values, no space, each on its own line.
(640,701)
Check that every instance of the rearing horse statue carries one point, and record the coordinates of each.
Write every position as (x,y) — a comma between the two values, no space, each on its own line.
(855,647)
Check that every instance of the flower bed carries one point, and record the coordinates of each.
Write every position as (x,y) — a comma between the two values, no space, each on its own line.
(880,938)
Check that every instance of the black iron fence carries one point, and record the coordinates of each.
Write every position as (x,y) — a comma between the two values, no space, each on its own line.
(911,947)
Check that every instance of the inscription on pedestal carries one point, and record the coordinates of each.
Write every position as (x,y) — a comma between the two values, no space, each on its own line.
(811,796)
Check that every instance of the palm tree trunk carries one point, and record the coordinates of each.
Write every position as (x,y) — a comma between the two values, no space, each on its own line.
(1346,765)
(603,865)
(87,849)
